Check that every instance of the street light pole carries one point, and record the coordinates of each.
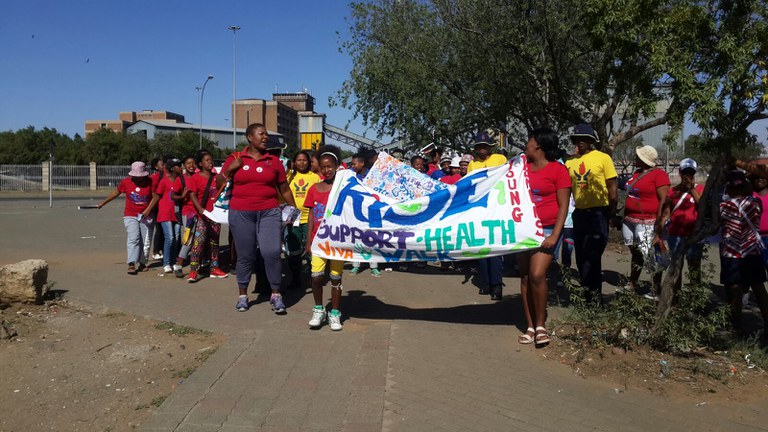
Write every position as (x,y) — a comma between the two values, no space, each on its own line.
(234,30)
(202,93)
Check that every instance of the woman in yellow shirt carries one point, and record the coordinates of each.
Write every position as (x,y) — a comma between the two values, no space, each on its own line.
(299,181)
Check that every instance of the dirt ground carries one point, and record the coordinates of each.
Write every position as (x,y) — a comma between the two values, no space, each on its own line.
(703,377)
(71,368)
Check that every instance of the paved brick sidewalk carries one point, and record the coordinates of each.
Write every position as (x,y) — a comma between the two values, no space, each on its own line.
(419,352)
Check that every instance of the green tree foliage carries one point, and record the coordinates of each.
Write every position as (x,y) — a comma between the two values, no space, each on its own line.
(445,68)
(716,61)
(104,147)
(180,145)
(31,146)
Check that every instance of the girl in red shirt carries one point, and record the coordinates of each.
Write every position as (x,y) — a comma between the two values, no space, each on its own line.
(188,211)
(316,201)
(550,185)
(166,213)
(455,167)
(203,194)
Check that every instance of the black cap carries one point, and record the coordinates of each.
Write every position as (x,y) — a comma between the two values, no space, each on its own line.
(274,144)
(584,130)
(483,138)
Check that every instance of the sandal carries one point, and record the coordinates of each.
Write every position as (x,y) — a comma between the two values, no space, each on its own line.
(542,337)
(132,269)
(527,337)
(142,268)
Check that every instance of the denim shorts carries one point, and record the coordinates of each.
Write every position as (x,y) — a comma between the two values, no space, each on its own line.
(548,230)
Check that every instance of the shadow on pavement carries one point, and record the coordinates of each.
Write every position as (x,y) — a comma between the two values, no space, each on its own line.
(358,304)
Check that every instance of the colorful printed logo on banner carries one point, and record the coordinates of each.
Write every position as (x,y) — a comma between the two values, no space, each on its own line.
(398,181)
(489,212)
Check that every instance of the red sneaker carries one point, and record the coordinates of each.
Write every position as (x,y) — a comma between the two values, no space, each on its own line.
(192,278)
(216,273)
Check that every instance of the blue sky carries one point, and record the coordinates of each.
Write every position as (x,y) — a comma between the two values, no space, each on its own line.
(152,54)
(64,62)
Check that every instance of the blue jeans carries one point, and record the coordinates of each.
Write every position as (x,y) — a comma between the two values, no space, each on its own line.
(491,270)
(171,231)
(590,237)
(139,236)
(694,252)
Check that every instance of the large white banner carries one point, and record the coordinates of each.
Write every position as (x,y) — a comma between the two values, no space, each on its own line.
(488,212)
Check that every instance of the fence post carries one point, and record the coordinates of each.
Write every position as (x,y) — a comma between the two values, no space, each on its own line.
(46,176)
(92,174)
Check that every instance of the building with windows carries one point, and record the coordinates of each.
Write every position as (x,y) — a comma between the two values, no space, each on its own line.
(223,137)
(280,114)
(127,118)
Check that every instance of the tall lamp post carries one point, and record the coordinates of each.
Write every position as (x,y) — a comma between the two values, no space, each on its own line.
(234,30)
(202,93)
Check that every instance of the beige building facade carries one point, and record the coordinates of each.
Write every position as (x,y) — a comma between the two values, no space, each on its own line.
(127,118)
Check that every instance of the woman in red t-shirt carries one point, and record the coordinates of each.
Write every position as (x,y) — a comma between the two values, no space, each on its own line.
(550,186)
(646,191)
(140,200)
(678,215)
(255,219)
(203,194)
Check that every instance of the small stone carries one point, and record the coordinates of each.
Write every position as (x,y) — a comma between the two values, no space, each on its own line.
(618,350)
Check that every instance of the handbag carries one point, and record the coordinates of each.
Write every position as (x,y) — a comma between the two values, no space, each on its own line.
(189,228)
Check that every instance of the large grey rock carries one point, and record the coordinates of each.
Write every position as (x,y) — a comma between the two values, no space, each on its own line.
(24,281)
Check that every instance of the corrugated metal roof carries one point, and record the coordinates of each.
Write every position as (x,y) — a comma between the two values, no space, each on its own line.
(193,127)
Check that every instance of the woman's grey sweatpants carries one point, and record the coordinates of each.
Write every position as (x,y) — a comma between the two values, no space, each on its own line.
(257,232)
(139,236)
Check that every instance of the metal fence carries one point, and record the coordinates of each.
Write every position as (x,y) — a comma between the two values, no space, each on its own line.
(21,177)
(109,176)
(70,177)
(27,178)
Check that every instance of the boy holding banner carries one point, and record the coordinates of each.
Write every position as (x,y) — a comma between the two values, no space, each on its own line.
(316,201)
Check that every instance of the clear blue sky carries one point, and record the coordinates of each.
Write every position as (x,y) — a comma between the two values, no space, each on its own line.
(64,62)
(152,54)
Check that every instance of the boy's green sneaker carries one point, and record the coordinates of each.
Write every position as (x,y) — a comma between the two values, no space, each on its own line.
(375,273)
(354,271)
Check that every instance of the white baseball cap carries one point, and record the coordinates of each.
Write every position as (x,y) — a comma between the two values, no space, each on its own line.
(688,163)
